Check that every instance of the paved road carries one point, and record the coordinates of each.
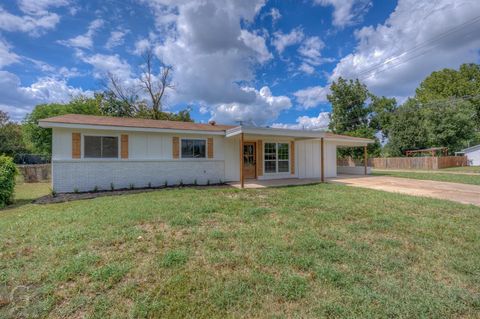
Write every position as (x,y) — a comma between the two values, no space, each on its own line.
(462,193)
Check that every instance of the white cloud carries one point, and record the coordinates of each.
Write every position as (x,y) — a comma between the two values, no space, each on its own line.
(275,14)
(84,41)
(346,12)
(213,53)
(116,38)
(40,7)
(264,108)
(307,68)
(141,46)
(312,96)
(34,25)
(7,57)
(310,50)
(282,41)
(418,38)
(103,64)
(257,44)
(18,100)
(308,123)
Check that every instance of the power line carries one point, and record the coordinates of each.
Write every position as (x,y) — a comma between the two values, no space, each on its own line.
(422,45)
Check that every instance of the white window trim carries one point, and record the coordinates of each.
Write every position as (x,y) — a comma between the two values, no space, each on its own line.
(194,158)
(276,158)
(101,158)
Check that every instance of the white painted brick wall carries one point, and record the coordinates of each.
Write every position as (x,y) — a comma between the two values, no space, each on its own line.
(84,175)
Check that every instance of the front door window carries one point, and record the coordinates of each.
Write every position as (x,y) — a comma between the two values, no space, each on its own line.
(249,162)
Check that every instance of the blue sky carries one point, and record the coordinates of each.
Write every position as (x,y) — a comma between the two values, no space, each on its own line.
(265,62)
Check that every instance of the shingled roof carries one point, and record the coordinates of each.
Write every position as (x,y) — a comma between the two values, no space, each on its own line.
(133,122)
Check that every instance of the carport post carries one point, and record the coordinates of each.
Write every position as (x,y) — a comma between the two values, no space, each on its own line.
(365,158)
(322,161)
(242,179)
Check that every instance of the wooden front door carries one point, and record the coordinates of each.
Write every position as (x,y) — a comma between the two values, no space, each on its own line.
(249,160)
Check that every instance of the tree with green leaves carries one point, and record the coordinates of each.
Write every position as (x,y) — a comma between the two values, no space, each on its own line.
(382,110)
(11,137)
(41,138)
(436,124)
(407,129)
(349,111)
(453,84)
(351,115)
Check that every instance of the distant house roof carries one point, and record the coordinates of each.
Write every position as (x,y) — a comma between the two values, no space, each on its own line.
(471,149)
(132,122)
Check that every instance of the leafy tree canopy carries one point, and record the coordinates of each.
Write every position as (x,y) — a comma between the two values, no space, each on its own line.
(11,140)
(450,84)
(352,116)
(41,138)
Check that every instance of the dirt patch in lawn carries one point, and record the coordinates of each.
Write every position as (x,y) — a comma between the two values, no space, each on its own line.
(66,197)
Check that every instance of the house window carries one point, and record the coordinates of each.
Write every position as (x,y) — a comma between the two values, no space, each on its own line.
(101,147)
(276,158)
(193,148)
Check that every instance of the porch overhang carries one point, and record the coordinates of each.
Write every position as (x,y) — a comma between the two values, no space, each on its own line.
(249,132)
(340,140)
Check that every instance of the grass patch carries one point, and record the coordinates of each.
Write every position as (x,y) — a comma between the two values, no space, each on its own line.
(463,169)
(433,176)
(309,251)
(174,258)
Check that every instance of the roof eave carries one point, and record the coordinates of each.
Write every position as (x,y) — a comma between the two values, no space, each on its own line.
(47,124)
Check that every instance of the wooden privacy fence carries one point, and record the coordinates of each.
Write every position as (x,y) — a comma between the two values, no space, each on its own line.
(35,173)
(407,162)
(417,162)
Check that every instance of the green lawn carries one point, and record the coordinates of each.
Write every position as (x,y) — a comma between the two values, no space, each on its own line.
(464,169)
(309,251)
(432,176)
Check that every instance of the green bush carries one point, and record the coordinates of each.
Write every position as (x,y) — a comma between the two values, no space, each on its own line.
(8,171)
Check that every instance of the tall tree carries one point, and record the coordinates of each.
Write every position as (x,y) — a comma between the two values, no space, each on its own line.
(125,99)
(452,84)
(450,124)
(349,111)
(350,114)
(407,129)
(382,111)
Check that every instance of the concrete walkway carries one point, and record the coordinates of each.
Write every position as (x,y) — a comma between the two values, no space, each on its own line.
(462,193)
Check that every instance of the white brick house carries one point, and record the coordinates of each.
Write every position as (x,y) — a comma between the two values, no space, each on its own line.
(91,152)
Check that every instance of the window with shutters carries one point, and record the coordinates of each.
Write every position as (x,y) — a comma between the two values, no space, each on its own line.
(193,148)
(100,146)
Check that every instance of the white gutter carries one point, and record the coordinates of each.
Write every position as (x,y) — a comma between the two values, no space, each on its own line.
(273,132)
(47,124)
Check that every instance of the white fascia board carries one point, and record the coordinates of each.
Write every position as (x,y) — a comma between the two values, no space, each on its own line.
(46,124)
(346,142)
(273,132)
(471,149)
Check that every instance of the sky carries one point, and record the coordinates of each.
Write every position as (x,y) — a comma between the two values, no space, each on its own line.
(267,63)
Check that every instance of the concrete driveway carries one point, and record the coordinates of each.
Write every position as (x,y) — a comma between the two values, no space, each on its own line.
(462,193)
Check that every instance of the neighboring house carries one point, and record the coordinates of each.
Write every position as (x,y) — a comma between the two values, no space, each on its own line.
(472,154)
(91,152)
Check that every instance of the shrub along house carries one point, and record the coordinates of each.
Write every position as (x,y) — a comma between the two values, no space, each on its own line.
(90,152)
